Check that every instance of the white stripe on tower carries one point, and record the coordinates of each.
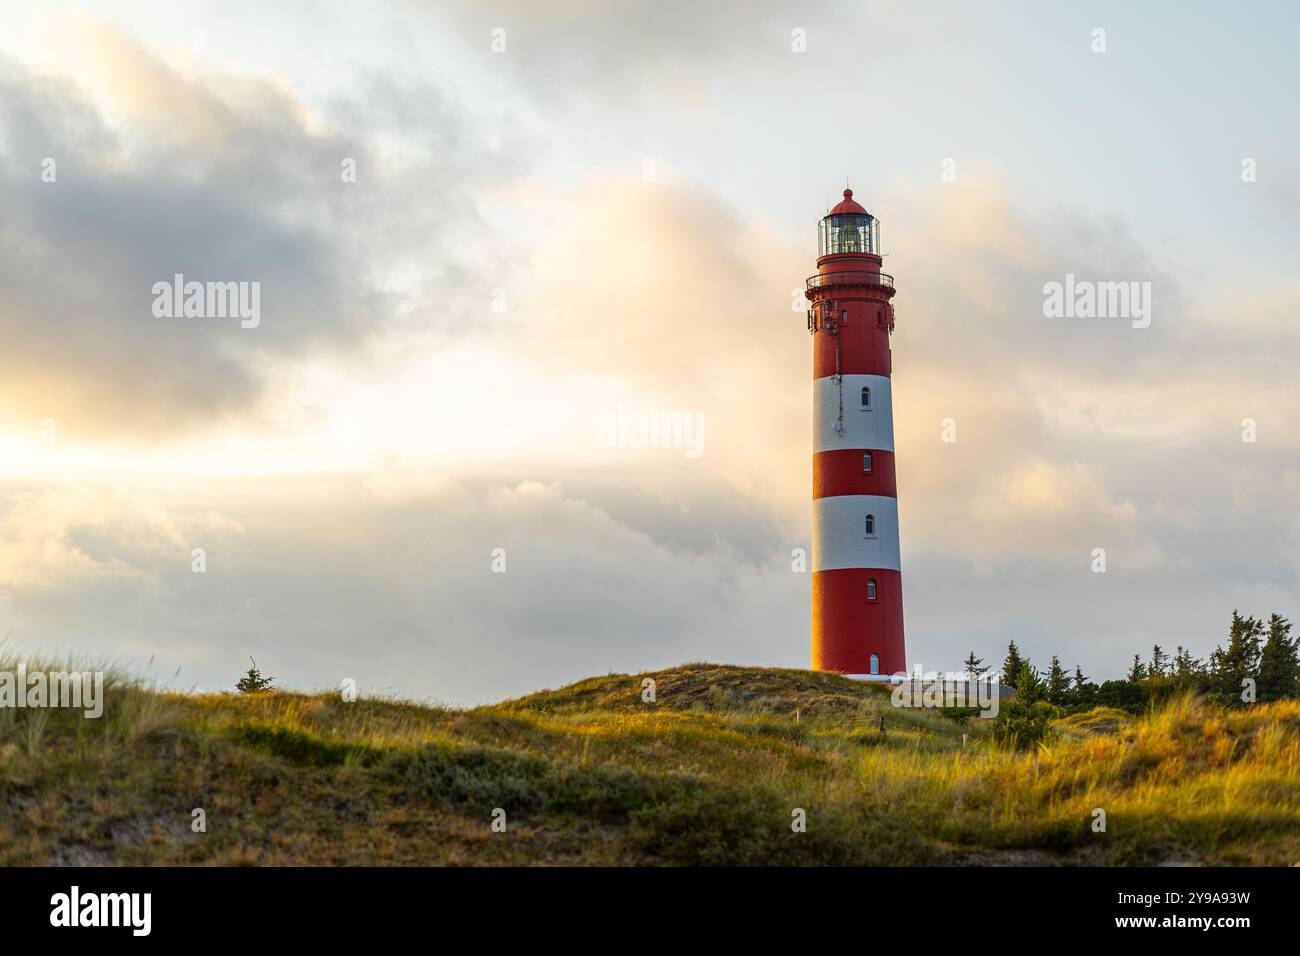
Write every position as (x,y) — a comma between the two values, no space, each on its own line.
(840,539)
(865,427)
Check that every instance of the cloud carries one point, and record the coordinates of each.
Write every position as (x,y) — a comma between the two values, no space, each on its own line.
(474,428)
(395,588)
(1070,436)
(670,53)
(161,172)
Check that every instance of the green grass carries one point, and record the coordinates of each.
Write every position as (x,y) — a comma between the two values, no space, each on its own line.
(709,773)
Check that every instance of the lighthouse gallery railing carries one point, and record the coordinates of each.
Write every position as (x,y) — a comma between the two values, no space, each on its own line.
(825,279)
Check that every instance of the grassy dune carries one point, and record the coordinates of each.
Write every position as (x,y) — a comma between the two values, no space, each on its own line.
(709,773)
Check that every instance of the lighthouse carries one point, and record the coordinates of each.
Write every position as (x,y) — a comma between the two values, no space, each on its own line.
(857,590)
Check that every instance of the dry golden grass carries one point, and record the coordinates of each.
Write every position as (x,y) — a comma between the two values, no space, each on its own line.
(590,773)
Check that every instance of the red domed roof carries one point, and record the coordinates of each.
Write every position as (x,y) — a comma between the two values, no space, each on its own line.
(848,205)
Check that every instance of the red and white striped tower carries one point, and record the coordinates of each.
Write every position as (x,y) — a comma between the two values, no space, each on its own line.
(857,591)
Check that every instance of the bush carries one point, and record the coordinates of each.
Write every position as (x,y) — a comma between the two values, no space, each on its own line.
(487,777)
(302,749)
(1023,726)
(253,682)
(961,715)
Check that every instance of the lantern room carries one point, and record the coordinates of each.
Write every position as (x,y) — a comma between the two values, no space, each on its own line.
(848,230)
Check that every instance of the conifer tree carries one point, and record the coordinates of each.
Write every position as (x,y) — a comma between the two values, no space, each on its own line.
(1230,666)
(975,666)
(253,682)
(1082,691)
(1279,661)
(1159,665)
(1011,667)
(1185,665)
(1028,685)
(1058,684)
(1137,672)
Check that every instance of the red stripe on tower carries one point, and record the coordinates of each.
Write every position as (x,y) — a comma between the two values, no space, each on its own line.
(857,590)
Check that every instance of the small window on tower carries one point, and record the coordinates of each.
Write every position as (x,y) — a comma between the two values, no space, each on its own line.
(871,526)
(866,397)
(866,461)
(871,589)
(875,663)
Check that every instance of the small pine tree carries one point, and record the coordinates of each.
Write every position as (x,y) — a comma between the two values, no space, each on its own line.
(1279,661)
(1159,665)
(1057,688)
(1230,666)
(975,667)
(1137,672)
(1186,667)
(253,682)
(1012,665)
(1025,721)
(1083,692)
(1029,686)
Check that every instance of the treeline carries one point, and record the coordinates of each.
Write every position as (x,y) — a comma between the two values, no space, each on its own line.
(1261,662)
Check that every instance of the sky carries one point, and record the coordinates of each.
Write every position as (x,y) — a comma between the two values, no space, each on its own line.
(482,232)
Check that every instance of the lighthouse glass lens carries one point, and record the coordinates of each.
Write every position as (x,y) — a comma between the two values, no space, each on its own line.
(847,234)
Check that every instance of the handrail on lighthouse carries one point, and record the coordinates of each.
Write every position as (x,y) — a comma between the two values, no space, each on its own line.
(826,279)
